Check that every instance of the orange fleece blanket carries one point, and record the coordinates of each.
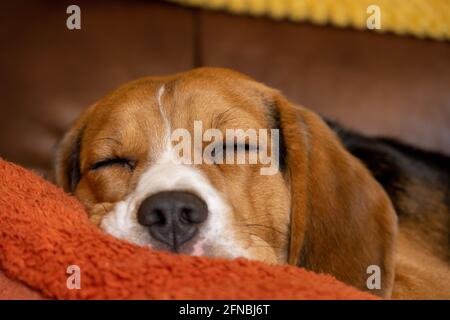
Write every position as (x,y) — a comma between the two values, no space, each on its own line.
(43,231)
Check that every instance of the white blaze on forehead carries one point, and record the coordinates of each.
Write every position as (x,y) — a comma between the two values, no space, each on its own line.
(167,129)
(168,174)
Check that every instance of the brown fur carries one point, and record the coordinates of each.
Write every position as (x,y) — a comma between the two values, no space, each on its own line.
(324,212)
(423,255)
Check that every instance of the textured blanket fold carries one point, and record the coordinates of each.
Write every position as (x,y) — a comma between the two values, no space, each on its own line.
(43,231)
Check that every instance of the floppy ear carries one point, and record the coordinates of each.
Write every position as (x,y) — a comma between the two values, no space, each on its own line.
(67,158)
(342,221)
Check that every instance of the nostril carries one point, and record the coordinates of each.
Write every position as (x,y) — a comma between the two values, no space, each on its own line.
(197,215)
(173,217)
(185,215)
(157,217)
(150,215)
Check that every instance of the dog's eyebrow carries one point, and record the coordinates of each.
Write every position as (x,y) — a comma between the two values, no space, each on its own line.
(223,117)
(161,91)
(110,139)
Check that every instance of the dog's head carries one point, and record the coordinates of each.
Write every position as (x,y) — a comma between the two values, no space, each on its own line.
(321,210)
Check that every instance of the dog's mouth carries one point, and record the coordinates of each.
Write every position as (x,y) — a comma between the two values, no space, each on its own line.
(122,223)
(195,247)
(198,247)
(212,239)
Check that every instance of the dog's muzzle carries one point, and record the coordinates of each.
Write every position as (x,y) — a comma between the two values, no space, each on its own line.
(173,217)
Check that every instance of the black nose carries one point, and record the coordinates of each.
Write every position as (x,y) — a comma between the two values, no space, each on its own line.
(172,217)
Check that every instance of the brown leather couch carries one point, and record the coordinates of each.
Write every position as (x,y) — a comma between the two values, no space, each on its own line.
(377,84)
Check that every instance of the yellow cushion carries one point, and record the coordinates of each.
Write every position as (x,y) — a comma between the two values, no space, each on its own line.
(421,18)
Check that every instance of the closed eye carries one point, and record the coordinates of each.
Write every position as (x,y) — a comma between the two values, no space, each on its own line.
(131,164)
(244,147)
(236,147)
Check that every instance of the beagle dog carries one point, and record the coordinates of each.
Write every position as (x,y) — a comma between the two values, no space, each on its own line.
(322,209)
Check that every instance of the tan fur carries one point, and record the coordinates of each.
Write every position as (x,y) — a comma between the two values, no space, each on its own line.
(326,213)
(423,268)
(347,214)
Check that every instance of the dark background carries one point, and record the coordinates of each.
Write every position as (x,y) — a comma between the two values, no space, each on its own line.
(378,84)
